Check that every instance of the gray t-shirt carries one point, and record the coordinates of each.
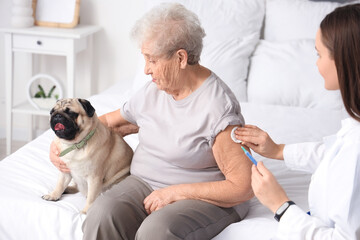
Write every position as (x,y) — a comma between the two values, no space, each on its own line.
(176,137)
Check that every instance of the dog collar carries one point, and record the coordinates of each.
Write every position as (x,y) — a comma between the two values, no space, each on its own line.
(78,145)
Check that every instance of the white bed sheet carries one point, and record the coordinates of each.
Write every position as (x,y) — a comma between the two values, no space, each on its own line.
(27,174)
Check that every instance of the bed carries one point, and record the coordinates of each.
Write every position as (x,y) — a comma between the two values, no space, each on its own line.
(264,50)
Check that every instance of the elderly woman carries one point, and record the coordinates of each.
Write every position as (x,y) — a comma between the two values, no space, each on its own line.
(187,175)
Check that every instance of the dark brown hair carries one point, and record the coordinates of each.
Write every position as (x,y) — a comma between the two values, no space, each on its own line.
(340,32)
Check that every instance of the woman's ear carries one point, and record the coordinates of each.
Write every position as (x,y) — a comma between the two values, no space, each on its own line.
(183,58)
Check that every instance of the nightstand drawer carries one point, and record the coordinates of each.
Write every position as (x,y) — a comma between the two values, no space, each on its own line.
(41,44)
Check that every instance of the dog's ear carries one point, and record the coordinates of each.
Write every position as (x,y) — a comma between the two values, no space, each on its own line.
(89,109)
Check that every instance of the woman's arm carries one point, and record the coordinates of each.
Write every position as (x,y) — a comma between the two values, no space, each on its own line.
(117,123)
(235,189)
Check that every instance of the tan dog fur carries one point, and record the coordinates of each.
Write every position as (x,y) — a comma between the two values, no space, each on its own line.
(102,162)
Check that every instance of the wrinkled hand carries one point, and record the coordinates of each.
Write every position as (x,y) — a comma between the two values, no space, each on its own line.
(266,188)
(259,141)
(55,159)
(160,198)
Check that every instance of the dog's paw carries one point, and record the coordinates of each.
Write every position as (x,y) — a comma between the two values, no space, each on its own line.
(84,211)
(50,197)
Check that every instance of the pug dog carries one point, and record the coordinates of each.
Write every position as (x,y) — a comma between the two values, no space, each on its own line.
(96,156)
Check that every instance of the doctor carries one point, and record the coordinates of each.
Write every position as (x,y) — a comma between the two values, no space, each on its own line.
(334,192)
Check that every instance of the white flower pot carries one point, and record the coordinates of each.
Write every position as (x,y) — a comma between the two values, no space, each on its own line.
(44,103)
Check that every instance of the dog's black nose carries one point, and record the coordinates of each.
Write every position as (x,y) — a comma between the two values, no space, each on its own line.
(57,117)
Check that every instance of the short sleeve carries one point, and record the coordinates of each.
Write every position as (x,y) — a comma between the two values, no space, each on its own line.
(130,109)
(231,116)
(127,113)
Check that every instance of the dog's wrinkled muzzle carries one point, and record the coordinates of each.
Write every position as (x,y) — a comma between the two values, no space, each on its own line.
(63,126)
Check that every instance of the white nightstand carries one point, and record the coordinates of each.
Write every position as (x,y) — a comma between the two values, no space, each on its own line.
(42,40)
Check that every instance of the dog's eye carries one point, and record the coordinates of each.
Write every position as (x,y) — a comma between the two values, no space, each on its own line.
(73,115)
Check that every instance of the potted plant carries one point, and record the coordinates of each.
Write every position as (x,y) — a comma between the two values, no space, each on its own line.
(41,99)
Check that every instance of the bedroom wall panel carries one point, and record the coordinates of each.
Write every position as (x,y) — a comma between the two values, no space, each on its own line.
(5,20)
(115,56)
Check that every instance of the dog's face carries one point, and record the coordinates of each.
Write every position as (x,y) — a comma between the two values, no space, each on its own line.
(70,117)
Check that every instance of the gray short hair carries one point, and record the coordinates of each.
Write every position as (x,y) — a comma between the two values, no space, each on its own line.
(170,26)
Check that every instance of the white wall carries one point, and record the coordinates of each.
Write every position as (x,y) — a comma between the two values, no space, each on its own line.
(114,56)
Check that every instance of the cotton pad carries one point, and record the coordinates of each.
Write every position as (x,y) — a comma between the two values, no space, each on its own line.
(232,135)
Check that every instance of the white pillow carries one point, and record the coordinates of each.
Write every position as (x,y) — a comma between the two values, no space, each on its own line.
(229,59)
(232,31)
(285,73)
(294,19)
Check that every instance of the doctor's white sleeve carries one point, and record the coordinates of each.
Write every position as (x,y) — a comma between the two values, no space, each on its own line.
(341,221)
(304,156)
(296,224)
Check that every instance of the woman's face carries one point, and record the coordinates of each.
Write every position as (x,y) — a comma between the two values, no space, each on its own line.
(164,72)
(326,64)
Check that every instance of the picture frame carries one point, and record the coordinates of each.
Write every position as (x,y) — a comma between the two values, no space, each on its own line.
(56,13)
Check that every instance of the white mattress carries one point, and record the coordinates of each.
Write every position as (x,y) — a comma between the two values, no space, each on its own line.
(27,174)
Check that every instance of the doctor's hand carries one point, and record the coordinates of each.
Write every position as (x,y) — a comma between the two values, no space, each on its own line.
(267,190)
(55,159)
(259,141)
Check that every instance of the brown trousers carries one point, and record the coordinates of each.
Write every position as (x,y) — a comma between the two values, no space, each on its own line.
(119,214)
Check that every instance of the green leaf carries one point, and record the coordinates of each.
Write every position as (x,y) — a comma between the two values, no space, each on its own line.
(41,92)
(37,95)
(51,91)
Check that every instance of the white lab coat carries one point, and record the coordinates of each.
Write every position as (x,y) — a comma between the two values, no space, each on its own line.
(334,191)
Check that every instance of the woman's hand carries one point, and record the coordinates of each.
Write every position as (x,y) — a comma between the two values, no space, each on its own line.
(259,141)
(55,159)
(266,188)
(160,198)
